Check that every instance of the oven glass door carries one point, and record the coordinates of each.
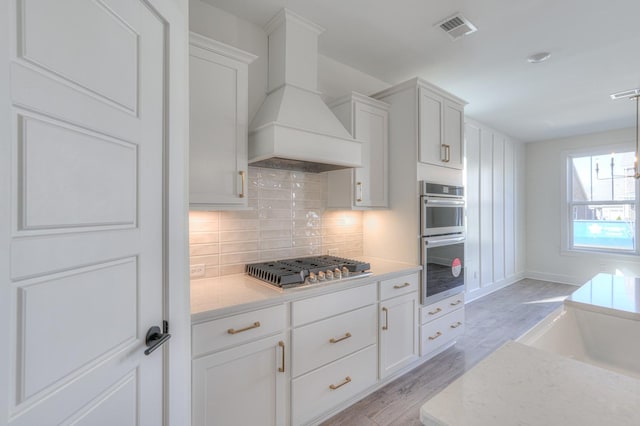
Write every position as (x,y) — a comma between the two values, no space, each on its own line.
(442,216)
(443,267)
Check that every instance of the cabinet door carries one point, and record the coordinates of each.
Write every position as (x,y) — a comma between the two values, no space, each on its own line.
(218,130)
(371,127)
(241,386)
(430,126)
(453,135)
(398,333)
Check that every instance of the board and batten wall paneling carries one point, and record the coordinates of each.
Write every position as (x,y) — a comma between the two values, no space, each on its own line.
(495,210)
(472,246)
(485,207)
(499,177)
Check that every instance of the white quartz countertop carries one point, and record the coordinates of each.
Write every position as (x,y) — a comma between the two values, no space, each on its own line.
(522,385)
(610,294)
(221,296)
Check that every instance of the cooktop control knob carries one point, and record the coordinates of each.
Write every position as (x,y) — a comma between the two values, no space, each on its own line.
(321,276)
(337,274)
(329,274)
(312,277)
(345,272)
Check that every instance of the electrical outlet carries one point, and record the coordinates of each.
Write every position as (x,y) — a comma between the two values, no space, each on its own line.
(196,271)
(332,252)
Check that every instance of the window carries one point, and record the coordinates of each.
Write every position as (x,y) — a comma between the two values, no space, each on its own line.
(602,202)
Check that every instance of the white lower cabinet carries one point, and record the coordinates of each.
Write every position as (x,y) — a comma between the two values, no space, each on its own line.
(398,333)
(297,362)
(245,385)
(320,390)
(442,323)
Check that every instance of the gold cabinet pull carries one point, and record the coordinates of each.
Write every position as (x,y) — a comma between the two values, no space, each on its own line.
(346,380)
(401,285)
(234,331)
(435,336)
(456,325)
(437,311)
(386,319)
(359,187)
(457,302)
(242,176)
(334,340)
(281,344)
(447,153)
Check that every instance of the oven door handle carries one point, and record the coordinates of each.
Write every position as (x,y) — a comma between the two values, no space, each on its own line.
(431,242)
(446,202)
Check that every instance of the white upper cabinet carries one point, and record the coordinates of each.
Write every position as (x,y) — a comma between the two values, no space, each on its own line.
(436,115)
(218,123)
(441,124)
(364,187)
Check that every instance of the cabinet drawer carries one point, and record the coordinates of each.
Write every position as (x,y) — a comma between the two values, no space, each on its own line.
(224,332)
(399,286)
(326,387)
(439,309)
(442,331)
(325,341)
(320,307)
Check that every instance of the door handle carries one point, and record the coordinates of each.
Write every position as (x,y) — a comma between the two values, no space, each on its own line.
(156,338)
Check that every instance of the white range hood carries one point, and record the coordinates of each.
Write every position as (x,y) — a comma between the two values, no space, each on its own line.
(294,129)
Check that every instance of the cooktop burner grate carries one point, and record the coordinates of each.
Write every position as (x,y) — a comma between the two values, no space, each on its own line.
(293,272)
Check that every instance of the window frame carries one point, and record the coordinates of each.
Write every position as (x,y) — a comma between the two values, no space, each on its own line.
(567,204)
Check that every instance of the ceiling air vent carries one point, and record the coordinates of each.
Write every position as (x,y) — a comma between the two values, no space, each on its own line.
(625,94)
(457,26)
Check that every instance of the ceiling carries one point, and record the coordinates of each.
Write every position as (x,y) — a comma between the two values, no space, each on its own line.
(594,45)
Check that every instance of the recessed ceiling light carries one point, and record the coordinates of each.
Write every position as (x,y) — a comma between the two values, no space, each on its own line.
(539,57)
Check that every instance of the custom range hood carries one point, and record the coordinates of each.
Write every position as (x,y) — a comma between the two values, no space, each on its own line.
(294,129)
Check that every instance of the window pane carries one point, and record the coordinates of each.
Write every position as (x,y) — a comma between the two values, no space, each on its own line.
(603,177)
(604,226)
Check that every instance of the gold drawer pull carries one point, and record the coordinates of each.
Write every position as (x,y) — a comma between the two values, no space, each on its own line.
(386,319)
(346,380)
(281,344)
(334,340)
(234,331)
(402,286)
(435,336)
(456,325)
(437,311)
(359,186)
(242,176)
(457,302)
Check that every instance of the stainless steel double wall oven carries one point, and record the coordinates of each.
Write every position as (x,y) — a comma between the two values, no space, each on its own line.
(442,241)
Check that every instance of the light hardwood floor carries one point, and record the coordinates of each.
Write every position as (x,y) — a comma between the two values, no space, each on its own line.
(490,322)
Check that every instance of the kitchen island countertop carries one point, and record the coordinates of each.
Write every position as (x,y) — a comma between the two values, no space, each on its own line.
(522,385)
(216,297)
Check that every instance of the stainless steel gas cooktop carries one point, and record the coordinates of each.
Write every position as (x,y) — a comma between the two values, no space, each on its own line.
(289,273)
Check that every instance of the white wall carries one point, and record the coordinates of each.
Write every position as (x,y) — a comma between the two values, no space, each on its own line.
(495,178)
(334,78)
(543,188)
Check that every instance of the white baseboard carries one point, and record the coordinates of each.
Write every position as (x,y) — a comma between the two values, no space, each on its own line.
(556,278)
(495,286)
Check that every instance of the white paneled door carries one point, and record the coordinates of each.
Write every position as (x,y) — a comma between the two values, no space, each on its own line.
(85,274)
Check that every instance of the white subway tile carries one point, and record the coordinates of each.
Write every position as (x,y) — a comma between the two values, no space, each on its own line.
(238,247)
(275,244)
(233,258)
(203,249)
(231,269)
(203,237)
(234,236)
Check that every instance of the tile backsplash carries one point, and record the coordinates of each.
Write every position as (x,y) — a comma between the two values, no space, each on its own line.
(287,218)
